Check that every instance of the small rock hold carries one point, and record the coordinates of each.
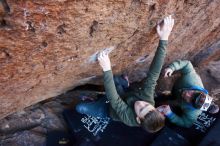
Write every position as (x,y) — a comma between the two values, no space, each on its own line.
(3,23)
(44,44)
(86,9)
(72,58)
(142,59)
(93,27)
(30,26)
(4,54)
(152,7)
(60,29)
(151,23)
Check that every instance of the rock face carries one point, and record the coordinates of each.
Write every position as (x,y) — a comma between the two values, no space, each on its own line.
(48,47)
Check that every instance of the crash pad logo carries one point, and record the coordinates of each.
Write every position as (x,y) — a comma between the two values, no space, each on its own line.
(203,122)
(95,125)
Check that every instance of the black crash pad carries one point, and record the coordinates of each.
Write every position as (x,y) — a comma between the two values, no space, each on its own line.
(207,125)
(201,127)
(212,137)
(105,132)
(86,130)
(168,137)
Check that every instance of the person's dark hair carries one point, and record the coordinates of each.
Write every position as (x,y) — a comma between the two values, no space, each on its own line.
(198,99)
(153,121)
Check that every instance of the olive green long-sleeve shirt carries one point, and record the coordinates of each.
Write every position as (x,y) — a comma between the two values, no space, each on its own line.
(123,110)
(188,78)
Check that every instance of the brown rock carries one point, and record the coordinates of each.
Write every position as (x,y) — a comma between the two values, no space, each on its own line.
(48,47)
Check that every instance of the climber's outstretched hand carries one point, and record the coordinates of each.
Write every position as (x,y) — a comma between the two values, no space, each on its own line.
(165,27)
(104,61)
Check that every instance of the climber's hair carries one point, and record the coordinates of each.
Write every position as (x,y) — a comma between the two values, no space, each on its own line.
(153,121)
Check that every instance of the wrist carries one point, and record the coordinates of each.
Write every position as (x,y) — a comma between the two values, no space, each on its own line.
(164,38)
(106,69)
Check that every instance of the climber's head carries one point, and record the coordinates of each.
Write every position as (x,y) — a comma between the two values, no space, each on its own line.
(148,116)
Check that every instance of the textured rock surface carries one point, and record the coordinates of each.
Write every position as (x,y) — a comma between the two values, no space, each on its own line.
(31,126)
(48,47)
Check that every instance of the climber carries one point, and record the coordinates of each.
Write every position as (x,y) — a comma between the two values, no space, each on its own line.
(137,109)
(188,94)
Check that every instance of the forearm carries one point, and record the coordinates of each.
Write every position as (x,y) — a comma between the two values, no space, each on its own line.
(188,117)
(180,121)
(110,89)
(154,70)
(123,111)
(158,59)
(184,66)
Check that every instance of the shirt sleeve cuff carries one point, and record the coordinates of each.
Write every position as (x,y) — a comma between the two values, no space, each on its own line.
(108,72)
(163,42)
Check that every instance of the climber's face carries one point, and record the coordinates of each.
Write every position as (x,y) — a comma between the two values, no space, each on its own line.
(142,108)
(188,95)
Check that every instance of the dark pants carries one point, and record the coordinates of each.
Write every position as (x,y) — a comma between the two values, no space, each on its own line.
(100,108)
(97,108)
